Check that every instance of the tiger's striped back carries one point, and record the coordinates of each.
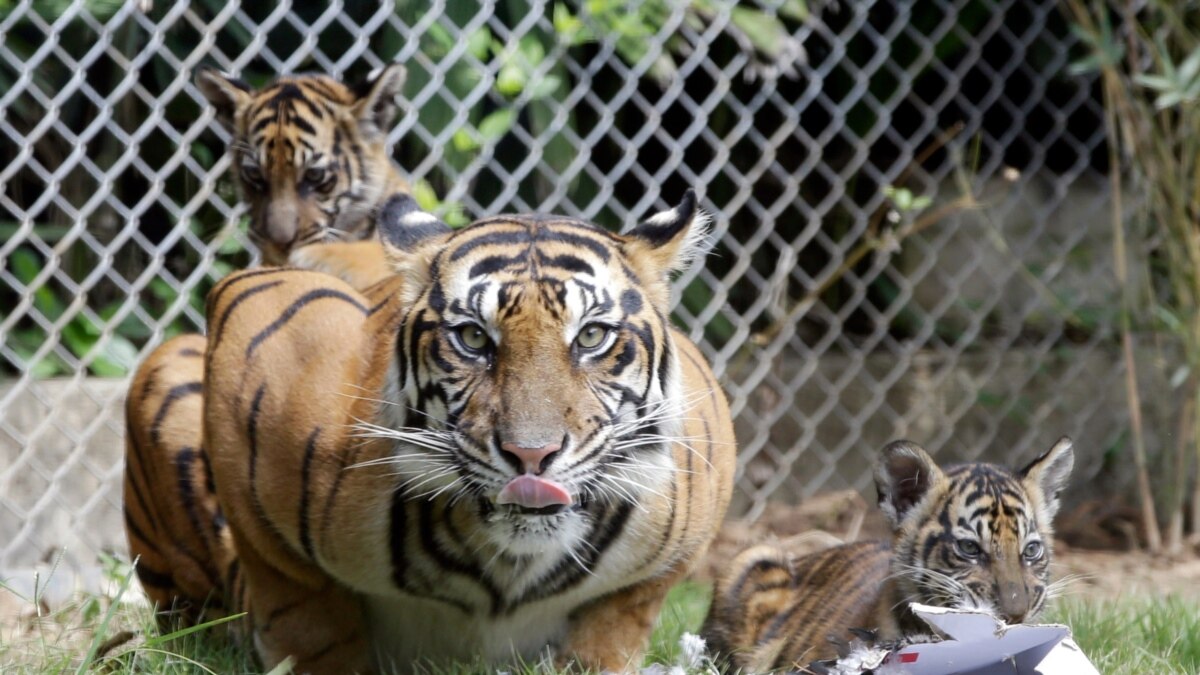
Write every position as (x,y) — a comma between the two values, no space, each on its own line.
(976,536)
(310,154)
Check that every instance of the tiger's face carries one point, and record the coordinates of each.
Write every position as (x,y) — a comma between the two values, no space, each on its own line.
(310,154)
(538,359)
(976,536)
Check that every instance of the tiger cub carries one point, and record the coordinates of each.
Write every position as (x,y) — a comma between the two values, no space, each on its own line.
(311,158)
(502,451)
(974,536)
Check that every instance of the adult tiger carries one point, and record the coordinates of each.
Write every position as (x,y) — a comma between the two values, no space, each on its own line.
(973,536)
(503,449)
(311,157)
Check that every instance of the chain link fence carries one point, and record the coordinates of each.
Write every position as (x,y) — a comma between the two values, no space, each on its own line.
(912,212)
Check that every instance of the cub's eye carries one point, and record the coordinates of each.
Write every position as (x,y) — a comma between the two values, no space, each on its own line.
(592,336)
(1033,551)
(473,338)
(316,176)
(967,548)
(251,173)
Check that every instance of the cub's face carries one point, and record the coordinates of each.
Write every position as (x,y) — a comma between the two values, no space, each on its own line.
(976,536)
(309,153)
(538,358)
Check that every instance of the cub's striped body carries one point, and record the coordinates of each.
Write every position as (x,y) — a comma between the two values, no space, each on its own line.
(502,450)
(311,157)
(975,536)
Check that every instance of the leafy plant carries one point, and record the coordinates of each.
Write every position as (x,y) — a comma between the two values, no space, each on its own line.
(1149,66)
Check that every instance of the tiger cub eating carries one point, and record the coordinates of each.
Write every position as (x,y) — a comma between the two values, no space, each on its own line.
(975,536)
(311,157)
(502,451)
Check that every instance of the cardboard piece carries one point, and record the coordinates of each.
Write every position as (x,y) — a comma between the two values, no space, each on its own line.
(979,644)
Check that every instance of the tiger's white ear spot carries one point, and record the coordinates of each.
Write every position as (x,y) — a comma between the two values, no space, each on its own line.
(677,237)
(376,104)
(415,218)
(404,227)
(224,92)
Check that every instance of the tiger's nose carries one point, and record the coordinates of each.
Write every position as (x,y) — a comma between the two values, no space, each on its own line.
(529,460)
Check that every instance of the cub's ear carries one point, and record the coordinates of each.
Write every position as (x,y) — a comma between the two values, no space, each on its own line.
(904,475)
(226,94)
(672,239)
(1045,477)
(410,237)
(376,105)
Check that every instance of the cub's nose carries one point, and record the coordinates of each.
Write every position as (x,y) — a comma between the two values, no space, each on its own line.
(529,460)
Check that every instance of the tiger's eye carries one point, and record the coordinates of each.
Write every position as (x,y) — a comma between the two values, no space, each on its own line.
(315,175)
(473,337)
(1033,550)
(591,336)
(252,173)
(967,548)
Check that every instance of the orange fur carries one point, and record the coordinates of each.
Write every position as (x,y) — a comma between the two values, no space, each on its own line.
(319,540)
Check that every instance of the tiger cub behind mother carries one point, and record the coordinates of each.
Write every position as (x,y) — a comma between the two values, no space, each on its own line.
(503,451)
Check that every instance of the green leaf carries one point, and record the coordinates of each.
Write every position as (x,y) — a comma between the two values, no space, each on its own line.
(570,30)
(26,266)
(230,246)
(497,123)
(1156,82)
(463,141)
(479,42)
(203,155)
(162,290)
(1190,68)
(116,359)
(1169,100)
(163,639)
(221,268)
(49,366)
(794,9)
(426,198)
(532,49)
(76,339)
(510,80)
(764,31)
(130,326)
(441,38)
(545,87)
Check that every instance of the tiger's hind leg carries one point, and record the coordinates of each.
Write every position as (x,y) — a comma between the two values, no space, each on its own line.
(176,531)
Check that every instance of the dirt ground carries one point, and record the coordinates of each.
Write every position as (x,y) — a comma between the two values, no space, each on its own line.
(1097,551)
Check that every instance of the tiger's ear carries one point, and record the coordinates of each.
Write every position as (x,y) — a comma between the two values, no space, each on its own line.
(226,94)
(672,240)
(410,239)
(376,105)
(904,475)
(1045,477)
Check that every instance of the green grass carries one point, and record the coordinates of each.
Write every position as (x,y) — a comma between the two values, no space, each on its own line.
(1139,635)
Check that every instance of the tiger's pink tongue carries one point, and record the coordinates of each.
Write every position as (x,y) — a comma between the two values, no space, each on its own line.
(533,493)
